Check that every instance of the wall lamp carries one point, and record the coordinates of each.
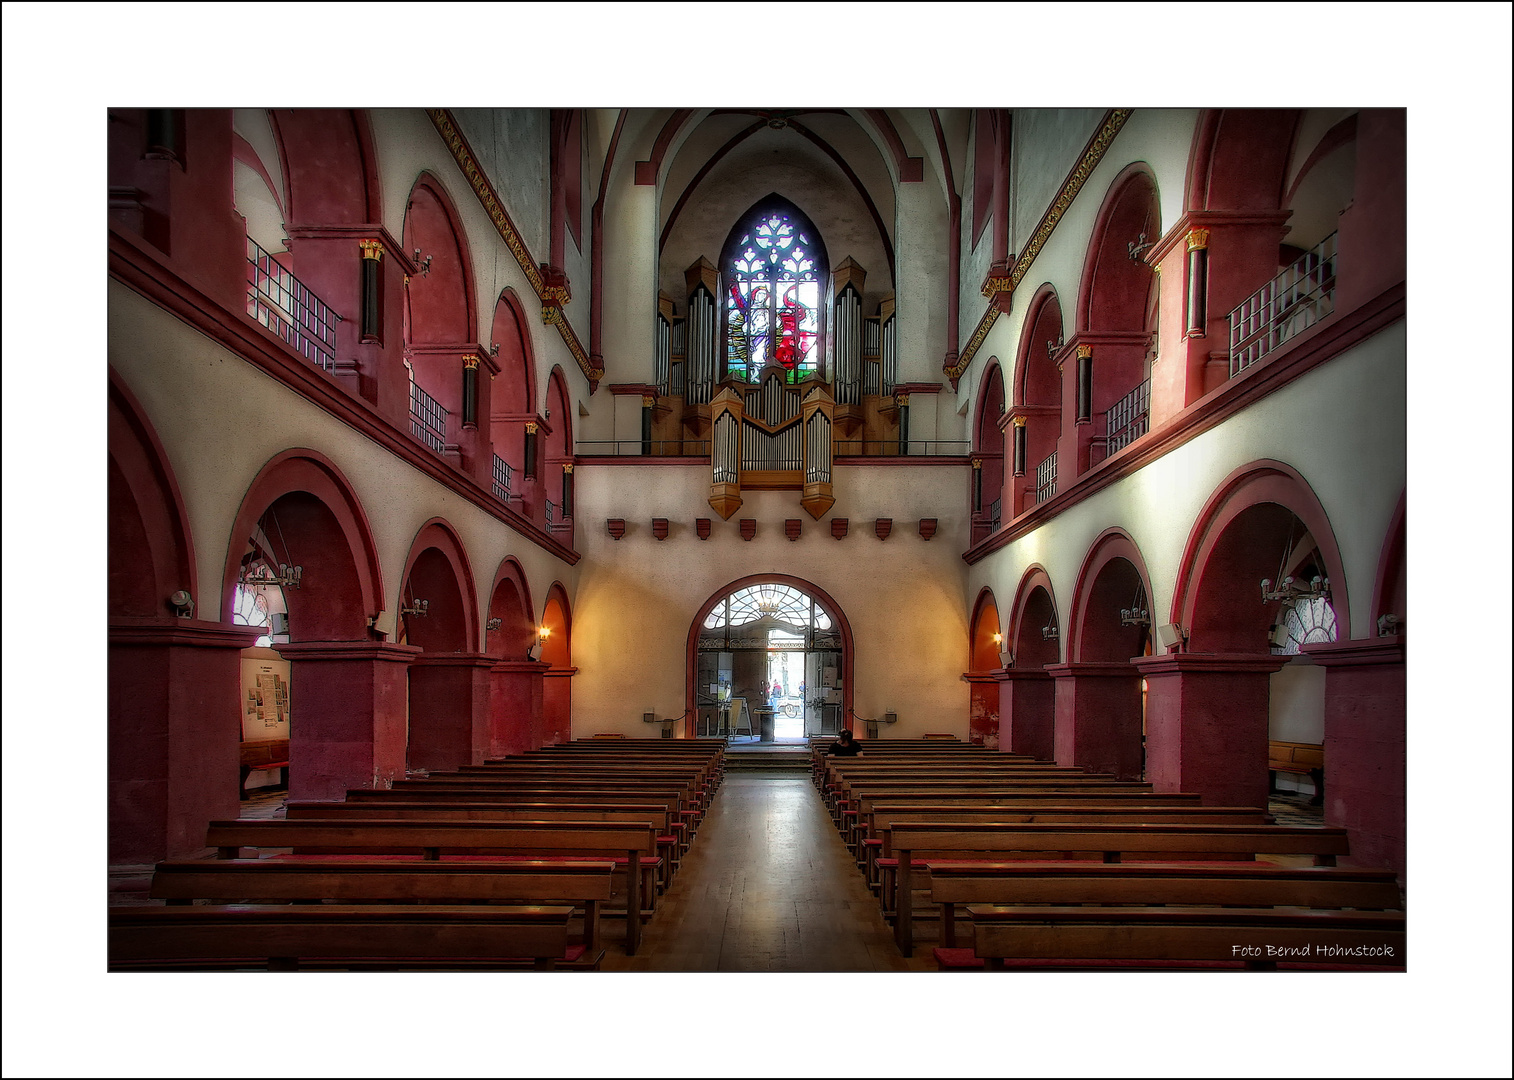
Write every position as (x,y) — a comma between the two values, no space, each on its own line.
(1289,589)
(1137,248)
(183,604)
(493,625)
(424,264)
(418,608)
(542,634)
(1388,625)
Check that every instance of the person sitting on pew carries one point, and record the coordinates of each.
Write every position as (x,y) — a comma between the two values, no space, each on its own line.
(845,745)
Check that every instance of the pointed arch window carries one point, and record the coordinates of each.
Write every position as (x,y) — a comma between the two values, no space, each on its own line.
(774,271)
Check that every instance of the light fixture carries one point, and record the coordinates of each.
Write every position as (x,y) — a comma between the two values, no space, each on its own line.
(1135,617)
(287,576)
(1289,589)
(183,604)
(494,624)
(418,608)
(1049,631)
(1137,248)
(1388,625)
(1052,347)
(423,265)
(542,634)
(998,639)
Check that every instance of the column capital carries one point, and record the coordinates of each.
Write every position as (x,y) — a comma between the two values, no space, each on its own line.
(1209,664)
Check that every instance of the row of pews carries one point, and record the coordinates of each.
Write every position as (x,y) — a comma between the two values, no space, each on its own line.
(491,867)
(1056,867)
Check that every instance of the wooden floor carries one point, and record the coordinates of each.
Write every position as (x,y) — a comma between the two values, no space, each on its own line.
(768,886)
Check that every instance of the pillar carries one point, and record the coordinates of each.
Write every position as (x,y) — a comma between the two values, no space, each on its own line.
(174,700)
(515,705)
(984,714)
(348,707)
(557,707)
(1207,724)
(1027,708)
(1098,718)
(1365,748)
(449,711)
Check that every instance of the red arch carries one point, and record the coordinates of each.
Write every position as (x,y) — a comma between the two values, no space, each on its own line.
(982,650)
(1264,481)
(1113,544)
(1041,303)
(1239,158)
(1338,136)
(991,371)
(1034,578)
(304,470)
(1109,251)
(329,165)
(691,650)
(156,518)
(1390,588)
(560,427)
(439,534)
(502,642)
(558,650)
(454,272)
(517,355)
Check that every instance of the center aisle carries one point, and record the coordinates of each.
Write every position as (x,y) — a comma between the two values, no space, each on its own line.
(768,886)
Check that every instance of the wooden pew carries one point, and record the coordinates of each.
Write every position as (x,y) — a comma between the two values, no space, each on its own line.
(1111,841)
(261,754)
(1307,759)
(431,838)
(282,936)
(1260,937)
(1019,884)
(584,884)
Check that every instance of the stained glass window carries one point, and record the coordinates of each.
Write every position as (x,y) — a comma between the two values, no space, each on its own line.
(1307,622)
(773,279)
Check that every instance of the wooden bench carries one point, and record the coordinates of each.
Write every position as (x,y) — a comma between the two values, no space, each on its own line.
(281,937)
(1306,759)
(263,754)
(1109,841)
(1066,882)
(1257,937)
(584,884)
(631,842)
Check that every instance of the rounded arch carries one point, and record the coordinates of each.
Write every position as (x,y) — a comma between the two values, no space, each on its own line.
(1215,600)
(437,570)
(515,391)
(1390,590)
(1037,380)
(343,583)
(510,602)
(992,402)
(442,301)
(989,453)
(559,413)
(848,643)
(1034,609)
(986,638)
(1112,578)
(1239,158)
(151,551)
(330,169)
(1114,293)
(557,651)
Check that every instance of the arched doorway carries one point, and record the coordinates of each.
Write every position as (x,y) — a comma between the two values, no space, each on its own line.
(769,657)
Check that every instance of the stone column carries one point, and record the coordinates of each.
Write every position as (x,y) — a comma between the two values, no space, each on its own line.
(174,706)
(1027,711)
(348,707)
(515,705)
(1098,717)
(449,711)
(1207,721)
(983,721)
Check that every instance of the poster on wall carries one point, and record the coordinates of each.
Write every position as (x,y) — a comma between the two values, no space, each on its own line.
(265,697)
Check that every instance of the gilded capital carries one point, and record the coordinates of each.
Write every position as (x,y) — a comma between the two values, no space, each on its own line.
(1198,239)
(977,463)
(567,467)
(902,400)
(1085,352)
(648,400)
(1017,421)
(530,427)
(470,362)
(371,249)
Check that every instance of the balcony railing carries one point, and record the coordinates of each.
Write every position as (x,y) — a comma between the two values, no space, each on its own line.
(552,509)
(1128,420)
(1283,308)
(428,420)
(894,448)
(637,448)
(281,302)
(503,475)
(993,516)
(1046,478)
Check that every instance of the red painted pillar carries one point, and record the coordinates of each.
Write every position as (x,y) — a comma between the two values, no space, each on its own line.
(983,718)
(1098,718)
(1365,714)
(1207,724)
(347,715)
(174,703)
(449,711)
(515,705)
(557,708)
(1027,711)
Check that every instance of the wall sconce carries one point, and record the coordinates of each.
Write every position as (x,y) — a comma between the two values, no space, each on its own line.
(1289,589)
(1137,247)
(1049,631)
(494,624)
(998,639)
(418,608)
(1388,625)
(1135,617)
(494,349)
(423,265)
(183,604)
(542,634)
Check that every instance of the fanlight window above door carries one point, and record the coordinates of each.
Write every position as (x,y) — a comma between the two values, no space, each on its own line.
(777,603)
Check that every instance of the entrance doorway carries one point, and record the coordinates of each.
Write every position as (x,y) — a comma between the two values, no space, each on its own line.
(769,665)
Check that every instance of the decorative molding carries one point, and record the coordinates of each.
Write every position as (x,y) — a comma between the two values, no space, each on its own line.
(882,527)
(1017,419)
(748,528)
(792,527)
(531,426)
(839,527)
(473,172)
(927,528)
(702,528)
(1093,153)
(660,528)
(470,362)
(1085,352)
(1197,239)
(616,526)
(371,249)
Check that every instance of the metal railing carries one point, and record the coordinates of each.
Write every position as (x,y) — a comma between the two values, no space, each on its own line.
(634,448)
(503,475)
(281,302)
(892,448)
(1129,419)
(428,420)
(552,509)
(994,511)
(1046,478)
(1285,307)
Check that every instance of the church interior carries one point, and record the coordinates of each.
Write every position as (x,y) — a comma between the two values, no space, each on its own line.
(437,436)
